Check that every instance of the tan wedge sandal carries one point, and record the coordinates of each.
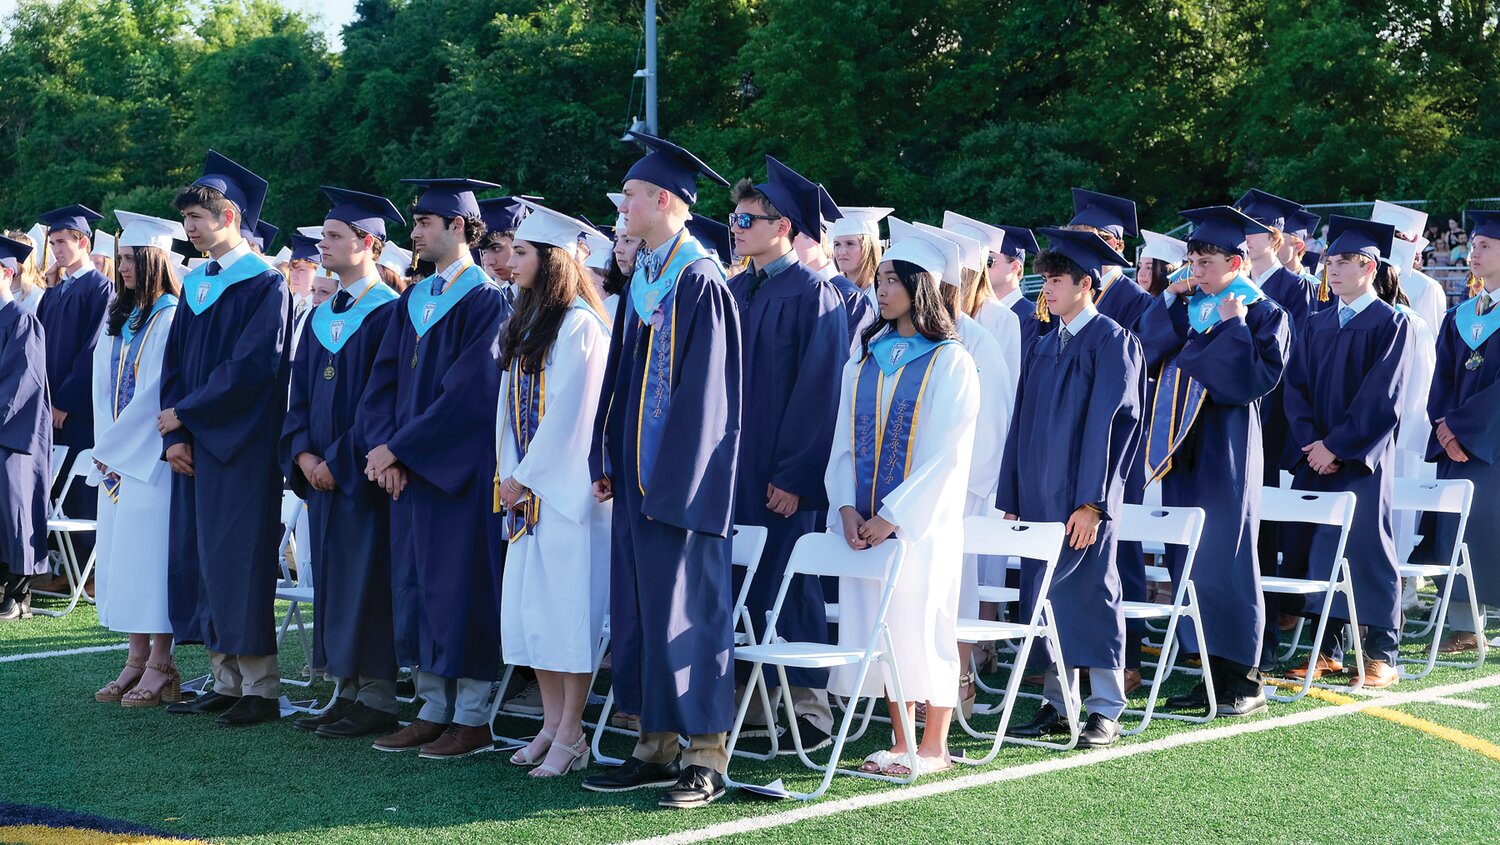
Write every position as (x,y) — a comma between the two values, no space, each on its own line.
(170,692)
(112,691)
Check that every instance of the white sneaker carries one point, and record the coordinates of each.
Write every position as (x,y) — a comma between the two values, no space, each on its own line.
(528,703)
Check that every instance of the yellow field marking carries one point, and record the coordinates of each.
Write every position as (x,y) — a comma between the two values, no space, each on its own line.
(1457,737)
(35,834)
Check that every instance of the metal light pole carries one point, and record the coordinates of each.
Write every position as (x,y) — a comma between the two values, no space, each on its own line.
(650,72)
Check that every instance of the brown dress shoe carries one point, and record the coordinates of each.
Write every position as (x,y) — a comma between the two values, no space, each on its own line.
(1378,675)
(1322,665)
(1286,622)
(1458,642)
(413,736)
(459,741)
(1132,680)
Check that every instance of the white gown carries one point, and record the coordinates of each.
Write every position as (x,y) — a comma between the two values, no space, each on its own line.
(555,590)
(130,577)
(31,300)
(1415,427)
(928,511)
(999,320)
(1427,297)
(997,397)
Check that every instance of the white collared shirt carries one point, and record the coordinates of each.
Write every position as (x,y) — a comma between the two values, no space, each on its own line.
(357,289)
(1360,304)
(828,272)
(1081,319)
(1010,299)
(452,270)
(1260,281)
(230,257)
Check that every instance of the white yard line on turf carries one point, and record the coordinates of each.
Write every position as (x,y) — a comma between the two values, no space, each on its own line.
(38,655)
(1058,763)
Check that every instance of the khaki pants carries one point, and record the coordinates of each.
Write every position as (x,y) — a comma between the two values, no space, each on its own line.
(244,674)
(707,750)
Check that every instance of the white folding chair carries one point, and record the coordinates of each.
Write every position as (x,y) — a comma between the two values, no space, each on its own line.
(1455,496)
(1314,508)
(746,545)
(63,527)
(1168,527)
(994,535)
(296,589)
(826,554)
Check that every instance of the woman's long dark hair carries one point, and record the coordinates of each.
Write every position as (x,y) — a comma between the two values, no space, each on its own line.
(153,278)
(1160,277)
(540,309)
(1388,285)
(928,312)
(615,279)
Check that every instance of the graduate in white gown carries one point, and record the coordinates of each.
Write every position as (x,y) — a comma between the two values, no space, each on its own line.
(980,300)
(1414,427)
(911,361)
(555,589)
(135,485)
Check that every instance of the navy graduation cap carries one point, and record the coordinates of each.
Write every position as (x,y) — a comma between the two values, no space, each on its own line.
(1348,235)
(1019,242)
(1310,261)
(712,234)
(1223,227)
(828,208)
(449,197)
(238,185)
(1486,223)
(1267,209)
(1115,215)
(366,212)
(1302,223)
(504,214)
(305,248)
(262,234)
(13,250)
(1086,249)
(799,199)
(670,167)
(76,218)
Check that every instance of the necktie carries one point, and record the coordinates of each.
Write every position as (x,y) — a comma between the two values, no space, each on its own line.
(1063,336)
(341,302)
(509,296)
(438,284)
(761,277)
(1484,302)
(212,269)
(299,309)
(1345,315)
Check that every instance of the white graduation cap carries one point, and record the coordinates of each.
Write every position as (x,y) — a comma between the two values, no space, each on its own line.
(615,201)
(1403,254)
(992,237)
(286,254)
(600,248)
(38,235)
(932,252)
(1163,247)
(314,232)
(395,258)
(145,230)
(104,244)
(859,220)
(545,226)
(971,254)
(1408,221)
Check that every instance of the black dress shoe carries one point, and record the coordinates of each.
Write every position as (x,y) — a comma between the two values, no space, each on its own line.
(698,785)
(1099,732)
(813,738)
(341,708)
(250,710)
(208,702)
(1195,698)
(634,773)
(13,607)
(1242,705)
(362,720)
(1046,722)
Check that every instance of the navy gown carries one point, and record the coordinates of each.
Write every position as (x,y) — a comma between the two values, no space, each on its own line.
(225,371)
(795,342)
(858,307)
(1076,429)
(670,580)
(1344,386)
(1218,467)
(438,419)
(1469,399)
(351,533)
(25,443)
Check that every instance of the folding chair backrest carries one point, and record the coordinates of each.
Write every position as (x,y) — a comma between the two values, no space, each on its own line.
(291,508)
(59,457)
(996,535)
(1430,495)
(822,553)
(1166,527)
(80,469)
(746,544)
(1309,508)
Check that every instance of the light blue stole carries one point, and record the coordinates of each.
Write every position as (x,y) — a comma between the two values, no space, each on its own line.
(334,330)
(426,309)
(203,290)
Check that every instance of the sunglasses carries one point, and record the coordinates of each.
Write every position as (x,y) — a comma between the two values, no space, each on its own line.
(744,220)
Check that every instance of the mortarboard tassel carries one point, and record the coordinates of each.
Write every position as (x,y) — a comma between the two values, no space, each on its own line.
(1042,314)
(498,503)
(1323,289)
(117,254)
(1473,285)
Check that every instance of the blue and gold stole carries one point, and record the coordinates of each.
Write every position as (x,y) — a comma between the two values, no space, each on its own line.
(882,435)
(1179,398)
(426,309)
(128,347)
(661,338)
(527,401)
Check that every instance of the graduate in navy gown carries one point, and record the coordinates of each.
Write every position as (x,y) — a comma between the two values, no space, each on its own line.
(665,444)
(72,315)
(1221,346)
(1344,384)
(1464,406)
(1083,384)
(223,397)
(25,443)
(1006,275)
(428,418)
(323,458)
(795,340)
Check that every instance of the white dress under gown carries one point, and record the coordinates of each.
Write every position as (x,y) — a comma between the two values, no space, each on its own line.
(1001,322)
(130,577)
(997,397)
(555,591)
(1415,427)
(927,510)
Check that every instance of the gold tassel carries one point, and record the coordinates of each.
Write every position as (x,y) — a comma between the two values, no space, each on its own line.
(1042,314)
(1323,288)
(498,503)
(1473,286)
